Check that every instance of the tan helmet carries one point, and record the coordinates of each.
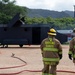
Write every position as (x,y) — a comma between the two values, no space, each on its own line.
(52,31)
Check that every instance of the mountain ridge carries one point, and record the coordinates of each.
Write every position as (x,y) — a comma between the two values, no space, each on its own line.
(49,13)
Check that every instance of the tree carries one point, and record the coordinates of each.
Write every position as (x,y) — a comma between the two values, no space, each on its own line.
(9,8)
(4,18)
(8,1)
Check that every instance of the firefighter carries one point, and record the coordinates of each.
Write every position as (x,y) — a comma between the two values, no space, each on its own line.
(71,53)
(51,50)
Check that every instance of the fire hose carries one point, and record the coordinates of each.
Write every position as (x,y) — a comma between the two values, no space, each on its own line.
(25,63)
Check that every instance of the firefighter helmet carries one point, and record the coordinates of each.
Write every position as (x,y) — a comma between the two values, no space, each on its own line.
(52,31)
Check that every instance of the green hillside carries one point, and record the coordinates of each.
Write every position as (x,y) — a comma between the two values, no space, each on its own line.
(47,13)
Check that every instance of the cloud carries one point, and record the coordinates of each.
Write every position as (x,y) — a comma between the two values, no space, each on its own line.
(64,5)
(57,5)
(25,2)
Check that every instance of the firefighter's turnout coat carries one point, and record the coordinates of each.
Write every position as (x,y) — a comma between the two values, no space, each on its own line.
(72,48)
(51,48)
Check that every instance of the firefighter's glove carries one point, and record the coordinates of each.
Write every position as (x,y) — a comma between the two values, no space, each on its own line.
(70,56)
(60,56)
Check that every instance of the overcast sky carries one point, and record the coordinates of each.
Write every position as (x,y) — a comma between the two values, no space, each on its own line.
(57,5)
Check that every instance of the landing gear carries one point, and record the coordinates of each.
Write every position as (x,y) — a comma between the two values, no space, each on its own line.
(4,46)
(21,46)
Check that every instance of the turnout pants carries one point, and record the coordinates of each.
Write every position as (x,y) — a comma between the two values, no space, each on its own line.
(49,69)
